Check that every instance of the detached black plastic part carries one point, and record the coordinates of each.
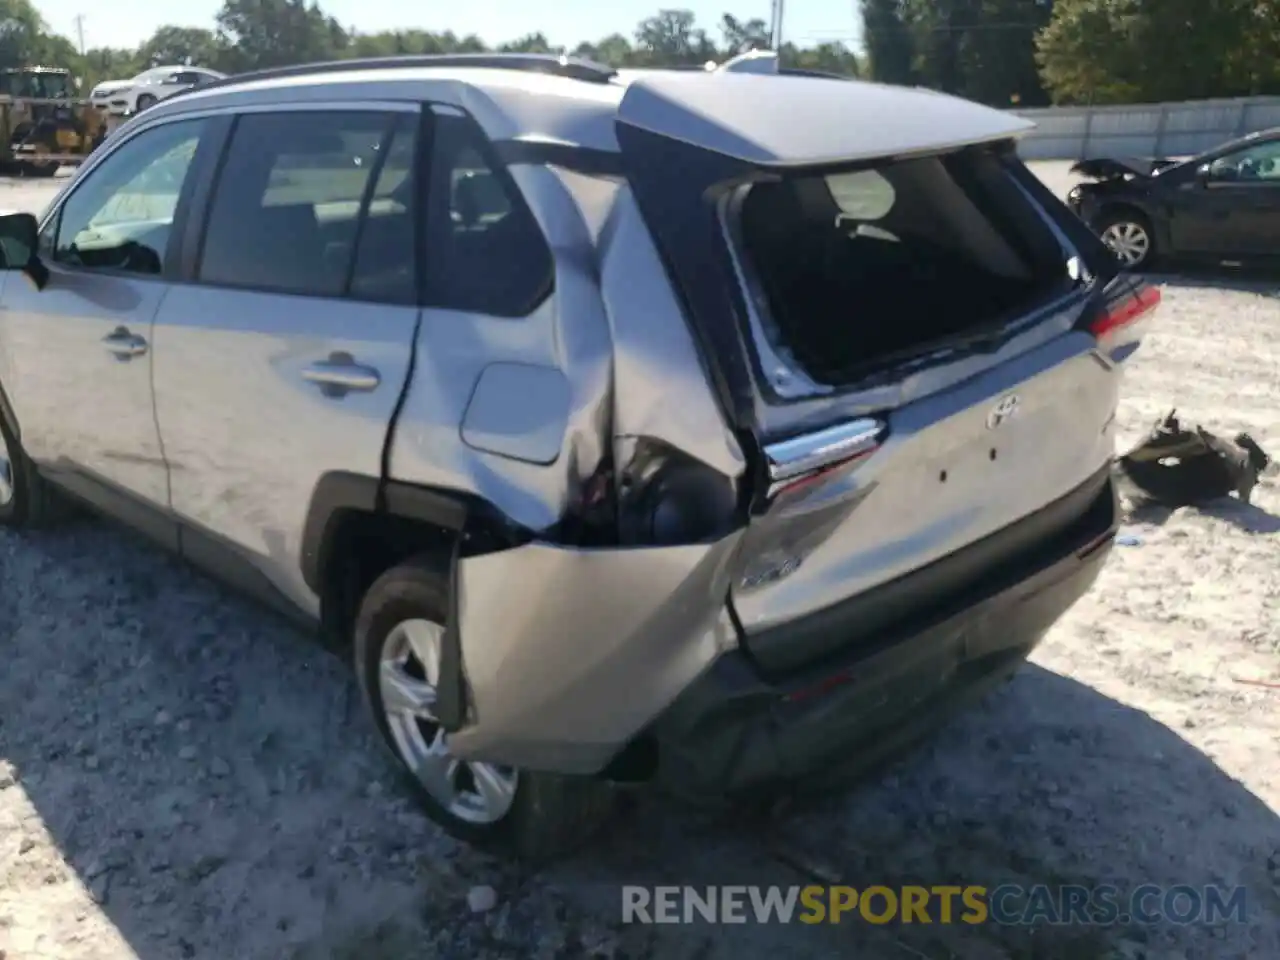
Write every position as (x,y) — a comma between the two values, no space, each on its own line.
(451,691)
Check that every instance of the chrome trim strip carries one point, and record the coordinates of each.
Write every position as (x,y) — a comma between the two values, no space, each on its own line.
(793,458)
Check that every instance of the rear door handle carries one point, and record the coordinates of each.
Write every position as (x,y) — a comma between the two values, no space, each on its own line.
(340,374)
(124,344)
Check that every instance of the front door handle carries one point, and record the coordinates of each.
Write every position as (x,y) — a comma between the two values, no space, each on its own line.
(340,374)
(123,344)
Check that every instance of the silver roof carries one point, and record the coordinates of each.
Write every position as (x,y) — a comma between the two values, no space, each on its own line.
(760,119)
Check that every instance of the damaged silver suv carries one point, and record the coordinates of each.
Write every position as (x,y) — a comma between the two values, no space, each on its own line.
(711,429)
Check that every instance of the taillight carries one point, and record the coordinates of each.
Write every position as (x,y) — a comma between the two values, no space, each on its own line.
(667,498)
(803,463)
(1118,325)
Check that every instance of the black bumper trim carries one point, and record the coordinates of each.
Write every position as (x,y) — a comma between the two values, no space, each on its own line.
(733,731)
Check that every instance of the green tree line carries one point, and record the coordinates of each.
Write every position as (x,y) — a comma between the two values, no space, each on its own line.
(1002,52)
(254,34)
(1032,52)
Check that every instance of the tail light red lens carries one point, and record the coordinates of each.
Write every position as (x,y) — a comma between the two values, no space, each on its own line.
(1126,310)
(804,463)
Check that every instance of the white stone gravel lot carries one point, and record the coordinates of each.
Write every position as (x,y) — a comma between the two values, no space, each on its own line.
(182,775)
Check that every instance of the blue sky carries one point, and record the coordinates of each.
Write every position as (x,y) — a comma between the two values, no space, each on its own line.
(564,21)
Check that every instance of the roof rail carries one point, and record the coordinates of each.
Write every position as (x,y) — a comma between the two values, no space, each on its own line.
(572,68)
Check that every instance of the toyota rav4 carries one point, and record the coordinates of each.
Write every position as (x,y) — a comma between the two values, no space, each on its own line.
(711,429)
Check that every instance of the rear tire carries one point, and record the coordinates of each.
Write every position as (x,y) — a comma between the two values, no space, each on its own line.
(1129,235)
(26,501)
(533,815)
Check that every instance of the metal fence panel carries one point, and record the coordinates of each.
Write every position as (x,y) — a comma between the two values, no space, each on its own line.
(1149,129)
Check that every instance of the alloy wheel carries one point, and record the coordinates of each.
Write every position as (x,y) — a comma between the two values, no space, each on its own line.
(1129,241)
(408,679)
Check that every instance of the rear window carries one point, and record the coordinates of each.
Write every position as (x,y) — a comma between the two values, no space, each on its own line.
(863,268)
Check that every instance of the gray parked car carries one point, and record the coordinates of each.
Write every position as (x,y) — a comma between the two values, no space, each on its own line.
(715,429)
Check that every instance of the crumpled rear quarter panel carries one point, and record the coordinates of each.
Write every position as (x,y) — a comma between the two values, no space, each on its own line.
(568,653)
(567,332)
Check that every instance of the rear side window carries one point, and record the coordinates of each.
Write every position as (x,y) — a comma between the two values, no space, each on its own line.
(315,204)
(485,252)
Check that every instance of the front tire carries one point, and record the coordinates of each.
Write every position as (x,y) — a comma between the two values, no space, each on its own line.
(398,642)
(144,100)
(1129,235)
(25,499)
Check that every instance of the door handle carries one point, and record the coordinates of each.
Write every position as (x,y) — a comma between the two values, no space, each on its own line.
(340,374)
(124,344)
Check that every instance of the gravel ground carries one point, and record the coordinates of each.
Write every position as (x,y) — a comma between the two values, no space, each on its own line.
(182,775)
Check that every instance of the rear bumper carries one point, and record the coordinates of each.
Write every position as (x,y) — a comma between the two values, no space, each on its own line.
(573,658)
(732,731)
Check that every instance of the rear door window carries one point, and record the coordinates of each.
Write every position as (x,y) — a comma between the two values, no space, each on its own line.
(299,192)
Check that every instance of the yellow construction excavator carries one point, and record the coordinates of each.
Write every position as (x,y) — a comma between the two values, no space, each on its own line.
(43,124)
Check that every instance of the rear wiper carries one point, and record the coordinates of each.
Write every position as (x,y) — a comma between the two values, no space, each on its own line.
(986,339)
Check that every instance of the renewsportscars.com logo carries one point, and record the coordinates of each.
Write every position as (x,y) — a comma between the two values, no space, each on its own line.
(1007,905)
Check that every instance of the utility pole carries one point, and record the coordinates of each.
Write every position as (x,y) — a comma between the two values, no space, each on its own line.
(79,21)
(775,30)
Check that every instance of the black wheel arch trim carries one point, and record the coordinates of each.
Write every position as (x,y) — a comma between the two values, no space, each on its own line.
(339,492)
(7,413)
(451,685)
(473,526)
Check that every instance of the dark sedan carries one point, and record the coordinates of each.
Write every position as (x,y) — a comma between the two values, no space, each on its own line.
(1222,206)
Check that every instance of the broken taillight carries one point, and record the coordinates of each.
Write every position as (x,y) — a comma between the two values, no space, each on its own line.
(1118,326)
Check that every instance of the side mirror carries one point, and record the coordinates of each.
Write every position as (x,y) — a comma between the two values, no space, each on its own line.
(19,237)
(1204,173)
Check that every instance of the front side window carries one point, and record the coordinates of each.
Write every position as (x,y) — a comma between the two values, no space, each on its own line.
(1259,162)
(299,192)
(120,216)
